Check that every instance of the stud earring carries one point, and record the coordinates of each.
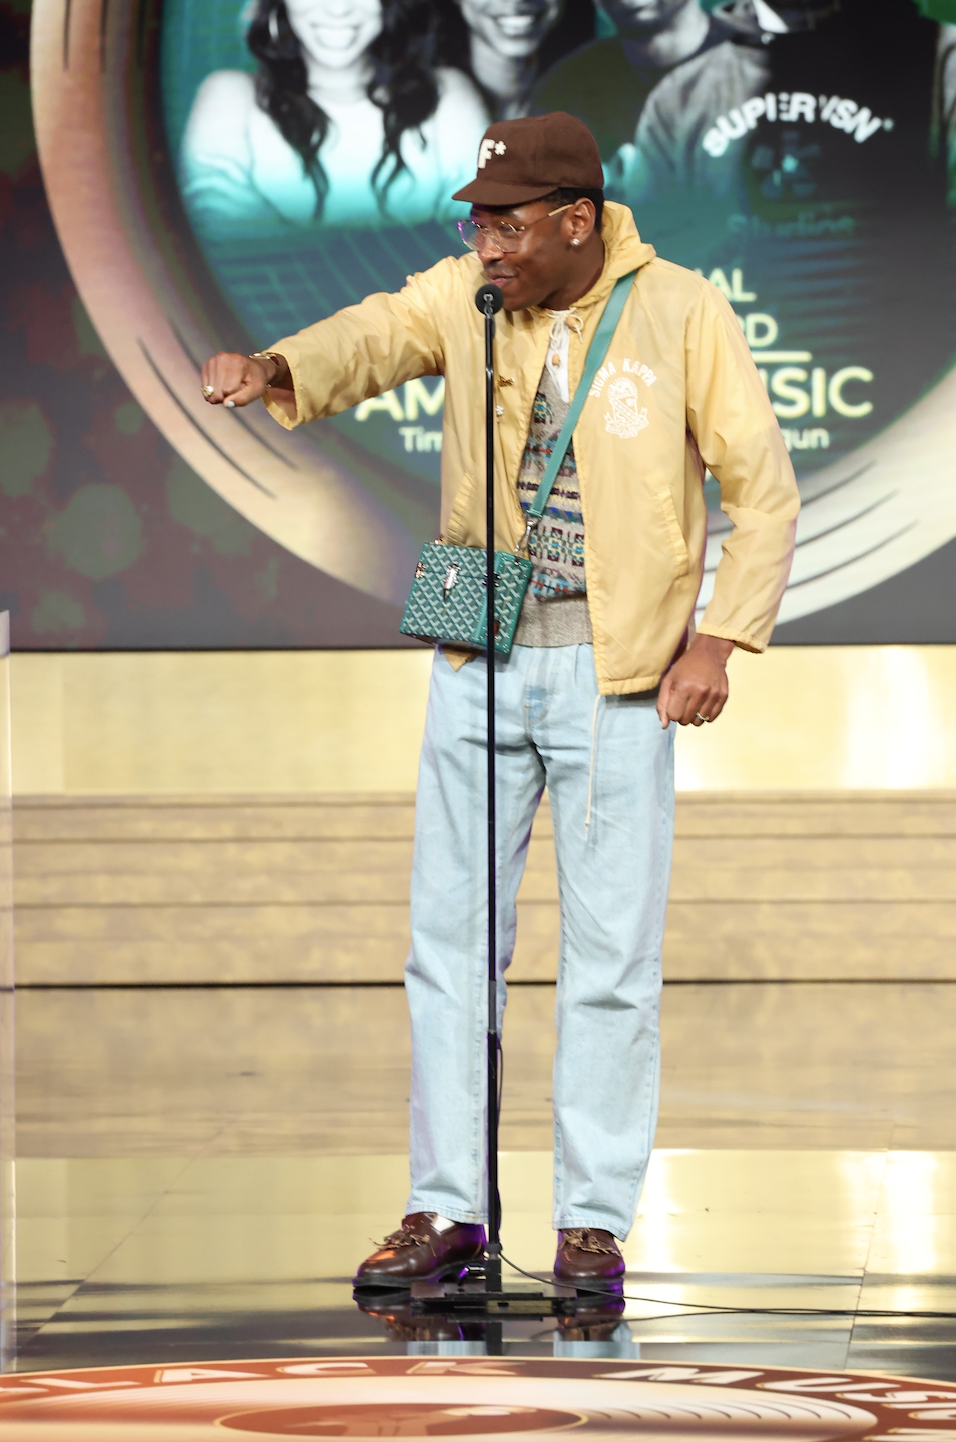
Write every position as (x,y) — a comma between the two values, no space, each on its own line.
(575,241)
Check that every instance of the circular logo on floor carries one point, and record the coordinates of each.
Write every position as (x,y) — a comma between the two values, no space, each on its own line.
(469,1396)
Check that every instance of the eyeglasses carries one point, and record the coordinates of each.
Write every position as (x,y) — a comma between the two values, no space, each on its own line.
(503,236)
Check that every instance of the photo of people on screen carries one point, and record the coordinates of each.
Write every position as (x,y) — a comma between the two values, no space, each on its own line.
(349,121)
(725,122)
(505,45)
(800,153)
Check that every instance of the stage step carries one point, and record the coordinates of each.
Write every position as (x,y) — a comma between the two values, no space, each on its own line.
(270,889)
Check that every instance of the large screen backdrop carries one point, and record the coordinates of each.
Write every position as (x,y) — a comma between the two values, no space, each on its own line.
(222,172)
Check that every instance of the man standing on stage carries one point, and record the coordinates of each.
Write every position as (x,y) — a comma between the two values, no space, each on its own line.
(606,659)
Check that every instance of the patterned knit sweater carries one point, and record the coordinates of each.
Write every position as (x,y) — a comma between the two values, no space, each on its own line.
(555,611)
(557,542)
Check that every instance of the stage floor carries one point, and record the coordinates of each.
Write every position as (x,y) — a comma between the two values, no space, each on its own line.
(200,1171)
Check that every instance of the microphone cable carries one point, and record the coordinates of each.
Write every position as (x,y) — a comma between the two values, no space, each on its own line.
(707,1309)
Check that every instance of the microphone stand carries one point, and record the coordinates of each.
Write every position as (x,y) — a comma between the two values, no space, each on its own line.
(490,299)
(494,1304)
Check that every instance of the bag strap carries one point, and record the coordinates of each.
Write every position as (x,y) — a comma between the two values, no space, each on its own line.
(597,350)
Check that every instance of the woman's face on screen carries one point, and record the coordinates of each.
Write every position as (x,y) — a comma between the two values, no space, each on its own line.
(514,28)
(335,33)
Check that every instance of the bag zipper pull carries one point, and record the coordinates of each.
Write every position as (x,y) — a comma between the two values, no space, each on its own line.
(530,524)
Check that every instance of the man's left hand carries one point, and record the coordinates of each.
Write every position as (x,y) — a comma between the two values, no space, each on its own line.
(695,689)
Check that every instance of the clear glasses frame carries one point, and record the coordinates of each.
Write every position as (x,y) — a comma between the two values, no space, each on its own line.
(504,236)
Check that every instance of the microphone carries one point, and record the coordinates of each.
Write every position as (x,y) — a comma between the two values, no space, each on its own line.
(489,299)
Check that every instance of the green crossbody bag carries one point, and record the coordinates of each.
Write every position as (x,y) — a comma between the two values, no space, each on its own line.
(449,597)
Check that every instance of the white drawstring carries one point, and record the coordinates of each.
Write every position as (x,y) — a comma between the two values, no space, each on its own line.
(587,814)
(562,321)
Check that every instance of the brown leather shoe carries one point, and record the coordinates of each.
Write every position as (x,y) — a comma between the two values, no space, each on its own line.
(421,1251)
(587,1254)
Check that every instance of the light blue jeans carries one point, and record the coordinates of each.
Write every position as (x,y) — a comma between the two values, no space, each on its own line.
(608,767)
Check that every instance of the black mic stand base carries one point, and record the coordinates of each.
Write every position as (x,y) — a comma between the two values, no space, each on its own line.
(481,1305)
(471,1308)
(478,1293)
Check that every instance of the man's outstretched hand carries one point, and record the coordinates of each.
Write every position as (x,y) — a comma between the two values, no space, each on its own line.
(237,380)
(695,688)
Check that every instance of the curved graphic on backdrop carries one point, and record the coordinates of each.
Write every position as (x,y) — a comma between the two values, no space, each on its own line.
(346,507)
(107,177)
(872,514)
(508,1398)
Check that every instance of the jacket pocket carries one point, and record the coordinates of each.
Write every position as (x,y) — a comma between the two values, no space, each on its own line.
(457,526)
(674,533)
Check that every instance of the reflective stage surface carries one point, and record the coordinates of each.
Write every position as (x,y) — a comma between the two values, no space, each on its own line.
(475,1396)
(201,1170)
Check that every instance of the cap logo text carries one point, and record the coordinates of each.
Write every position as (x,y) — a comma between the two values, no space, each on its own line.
(487,149)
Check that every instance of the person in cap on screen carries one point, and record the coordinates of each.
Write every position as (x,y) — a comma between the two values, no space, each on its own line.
(505,44)
(606,83)
(348,121)
(877,55)
(606,659)
(818,144)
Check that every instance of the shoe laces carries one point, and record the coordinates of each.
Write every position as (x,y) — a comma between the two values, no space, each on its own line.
(404,1237)
(586,1241)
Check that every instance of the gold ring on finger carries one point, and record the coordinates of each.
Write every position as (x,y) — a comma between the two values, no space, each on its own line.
(208,390)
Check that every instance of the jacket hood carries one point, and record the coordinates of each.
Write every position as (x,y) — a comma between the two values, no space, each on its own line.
(623,246)
(623,251)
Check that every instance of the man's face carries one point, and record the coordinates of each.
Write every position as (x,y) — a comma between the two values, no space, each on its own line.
(512,28)
(542,261)
(643,17)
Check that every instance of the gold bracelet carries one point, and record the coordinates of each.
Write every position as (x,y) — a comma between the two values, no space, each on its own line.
(270,356)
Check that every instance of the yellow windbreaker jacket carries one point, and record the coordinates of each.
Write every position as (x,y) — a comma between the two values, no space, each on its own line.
(678,392)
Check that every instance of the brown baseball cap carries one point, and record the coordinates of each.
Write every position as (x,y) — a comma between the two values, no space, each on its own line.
(522,160)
